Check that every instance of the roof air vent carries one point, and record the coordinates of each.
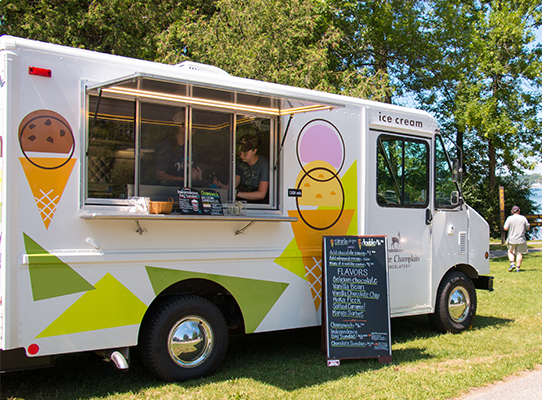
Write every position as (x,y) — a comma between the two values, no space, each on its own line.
(199,67)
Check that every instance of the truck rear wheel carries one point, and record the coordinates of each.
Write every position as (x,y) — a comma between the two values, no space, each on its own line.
(185,337)
(456,303)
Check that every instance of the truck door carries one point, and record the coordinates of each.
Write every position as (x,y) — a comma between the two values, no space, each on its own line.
(400,208)
(450,222)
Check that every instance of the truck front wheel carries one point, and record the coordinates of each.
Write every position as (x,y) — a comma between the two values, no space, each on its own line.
(456,303)
(184,337)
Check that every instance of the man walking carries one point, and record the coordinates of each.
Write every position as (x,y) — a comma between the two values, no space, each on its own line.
(516,225)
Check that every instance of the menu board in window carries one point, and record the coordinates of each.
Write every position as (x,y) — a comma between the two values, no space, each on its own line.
(189,201)
(356,313)
(210,200)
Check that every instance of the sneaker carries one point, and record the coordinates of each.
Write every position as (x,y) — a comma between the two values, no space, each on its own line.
(517,269)
(512,267)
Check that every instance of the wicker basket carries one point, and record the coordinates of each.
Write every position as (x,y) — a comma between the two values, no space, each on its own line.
(160,207)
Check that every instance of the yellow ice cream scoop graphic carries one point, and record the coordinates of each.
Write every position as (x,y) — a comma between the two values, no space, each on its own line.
(321,188)
(48,144)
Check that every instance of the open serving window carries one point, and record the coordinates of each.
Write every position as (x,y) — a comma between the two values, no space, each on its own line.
(149,136)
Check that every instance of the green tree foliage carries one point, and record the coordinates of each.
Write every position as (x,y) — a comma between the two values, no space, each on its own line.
(502,100)
(285,41)
(485,88)
(516,192)
(123,27)
(290,42)
(387,38)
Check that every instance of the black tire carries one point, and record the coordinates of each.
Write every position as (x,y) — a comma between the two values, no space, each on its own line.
(198,352)
(456,304)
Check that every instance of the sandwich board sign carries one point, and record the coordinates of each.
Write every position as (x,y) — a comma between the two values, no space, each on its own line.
(356,317)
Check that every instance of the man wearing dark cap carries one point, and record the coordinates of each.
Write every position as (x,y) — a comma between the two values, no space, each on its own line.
(516,225)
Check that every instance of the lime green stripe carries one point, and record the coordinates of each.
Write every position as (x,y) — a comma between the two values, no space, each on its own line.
(109,306)
(255,297)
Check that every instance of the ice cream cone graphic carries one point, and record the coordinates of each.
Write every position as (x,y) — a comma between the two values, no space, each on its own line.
(47,185)
(47,143)
(320,209)
(322,188)
(326,205)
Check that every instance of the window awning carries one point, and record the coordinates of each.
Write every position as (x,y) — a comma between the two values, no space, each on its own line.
(172,91)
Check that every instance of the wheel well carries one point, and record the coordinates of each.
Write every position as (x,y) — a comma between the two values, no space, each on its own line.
(467,270)
(211,291)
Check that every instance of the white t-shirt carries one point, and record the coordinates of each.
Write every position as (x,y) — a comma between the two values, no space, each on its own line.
(516,225)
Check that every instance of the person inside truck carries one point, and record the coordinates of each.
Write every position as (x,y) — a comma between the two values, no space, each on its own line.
(170,157)
(252,169)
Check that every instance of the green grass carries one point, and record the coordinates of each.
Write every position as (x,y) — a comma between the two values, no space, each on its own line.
(505,339)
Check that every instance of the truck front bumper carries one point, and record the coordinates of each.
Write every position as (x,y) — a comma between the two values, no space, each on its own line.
(483,282)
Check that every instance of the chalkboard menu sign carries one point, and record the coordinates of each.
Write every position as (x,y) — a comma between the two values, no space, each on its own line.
(356,314)
(210,200)
(189,201)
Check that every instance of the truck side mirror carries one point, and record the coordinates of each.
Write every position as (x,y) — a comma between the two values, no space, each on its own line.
(457,171)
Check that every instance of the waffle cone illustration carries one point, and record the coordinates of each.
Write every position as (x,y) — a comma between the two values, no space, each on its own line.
(48,144)
(309,242)
(47,185)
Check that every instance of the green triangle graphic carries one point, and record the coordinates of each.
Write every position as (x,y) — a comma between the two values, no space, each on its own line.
(109,306)
(291,259)
(49,276)
(255,297)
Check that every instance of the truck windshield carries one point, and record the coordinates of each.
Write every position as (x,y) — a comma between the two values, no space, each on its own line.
(402,172)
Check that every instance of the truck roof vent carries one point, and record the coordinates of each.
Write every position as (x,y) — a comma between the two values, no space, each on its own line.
(199,67)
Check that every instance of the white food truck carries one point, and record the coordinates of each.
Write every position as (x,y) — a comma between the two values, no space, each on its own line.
(86,138)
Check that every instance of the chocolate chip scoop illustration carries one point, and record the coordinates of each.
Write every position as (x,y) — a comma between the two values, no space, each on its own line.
(45,131)
(48,145)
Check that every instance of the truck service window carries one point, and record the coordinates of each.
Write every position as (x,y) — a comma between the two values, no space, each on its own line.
(253,137)
(151,149)
(110,154)
(402,172)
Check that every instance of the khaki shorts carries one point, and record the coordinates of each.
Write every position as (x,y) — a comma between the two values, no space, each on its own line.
(517,248)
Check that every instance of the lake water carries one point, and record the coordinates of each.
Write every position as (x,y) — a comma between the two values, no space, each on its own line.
(536,196)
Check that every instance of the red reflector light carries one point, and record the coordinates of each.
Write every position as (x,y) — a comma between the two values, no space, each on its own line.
(40,72)
(33,349)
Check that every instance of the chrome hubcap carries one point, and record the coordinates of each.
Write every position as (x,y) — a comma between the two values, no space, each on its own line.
(190,341)
(459,304)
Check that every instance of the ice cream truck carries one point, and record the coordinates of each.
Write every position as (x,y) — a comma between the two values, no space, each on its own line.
(90,141)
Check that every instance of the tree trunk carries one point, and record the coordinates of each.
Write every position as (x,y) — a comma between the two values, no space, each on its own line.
(492,167)
(381,67)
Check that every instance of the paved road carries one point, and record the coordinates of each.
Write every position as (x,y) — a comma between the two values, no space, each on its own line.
(525,386)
